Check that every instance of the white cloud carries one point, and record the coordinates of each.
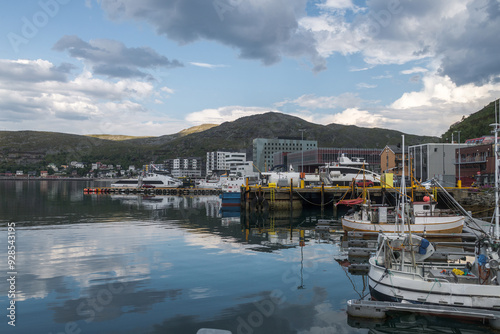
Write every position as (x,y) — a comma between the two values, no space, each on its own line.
(167,90)
(80,105)
(206,65)
(355,116)
(337,4)
(414,70)
(223,114)
(311,101)
(440,91)
(362,85)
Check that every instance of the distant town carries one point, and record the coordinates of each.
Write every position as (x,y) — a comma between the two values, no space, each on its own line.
(467,163)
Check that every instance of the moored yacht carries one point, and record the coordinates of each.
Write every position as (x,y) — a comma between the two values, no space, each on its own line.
(150,180)
(343,171)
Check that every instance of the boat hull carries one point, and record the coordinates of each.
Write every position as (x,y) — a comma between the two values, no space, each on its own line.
(436,225)
(396,286)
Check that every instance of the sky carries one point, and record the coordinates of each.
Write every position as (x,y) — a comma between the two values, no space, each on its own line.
(152,68)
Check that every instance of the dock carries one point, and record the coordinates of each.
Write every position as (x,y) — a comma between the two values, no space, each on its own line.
(256,198)
(279,198)
(154,191)
(380,310)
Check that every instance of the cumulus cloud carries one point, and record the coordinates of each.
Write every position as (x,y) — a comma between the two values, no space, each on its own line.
(429,111)
(98,106)
(260,29)
(358,117)
(383,32)
(23,70)
(397,32)
(113,58)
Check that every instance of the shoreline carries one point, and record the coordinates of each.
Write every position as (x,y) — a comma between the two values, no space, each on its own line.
(13,178)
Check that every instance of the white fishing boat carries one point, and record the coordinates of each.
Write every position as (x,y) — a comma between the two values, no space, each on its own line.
(149,180)
(423,217)
(400,270)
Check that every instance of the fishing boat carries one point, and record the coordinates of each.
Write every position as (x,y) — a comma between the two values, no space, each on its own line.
(401,271)
(423,217)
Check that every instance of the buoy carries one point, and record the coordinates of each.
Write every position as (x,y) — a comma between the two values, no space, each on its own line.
(427,198)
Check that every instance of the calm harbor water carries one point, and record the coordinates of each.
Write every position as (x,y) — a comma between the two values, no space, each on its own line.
(133,264)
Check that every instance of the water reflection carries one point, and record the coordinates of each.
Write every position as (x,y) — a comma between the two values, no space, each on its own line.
(120,264)
(410,323)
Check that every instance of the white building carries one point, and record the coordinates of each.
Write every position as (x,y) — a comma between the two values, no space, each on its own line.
(244,170)
(224,162)
(184,167)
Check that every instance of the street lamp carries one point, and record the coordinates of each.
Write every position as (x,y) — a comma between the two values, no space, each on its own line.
(302,149)
(459,158)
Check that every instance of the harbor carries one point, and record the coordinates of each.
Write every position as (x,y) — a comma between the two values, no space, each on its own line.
(318,253)
(280,198)
(250,167)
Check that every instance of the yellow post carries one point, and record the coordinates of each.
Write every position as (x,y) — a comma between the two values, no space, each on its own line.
(459,183)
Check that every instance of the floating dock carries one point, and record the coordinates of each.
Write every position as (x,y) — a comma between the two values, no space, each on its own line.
(379,310)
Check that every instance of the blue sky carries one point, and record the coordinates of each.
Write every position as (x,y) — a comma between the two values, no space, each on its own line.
(158,67)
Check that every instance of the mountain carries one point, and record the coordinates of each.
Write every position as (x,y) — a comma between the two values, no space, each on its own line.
(239,134)
(32,148)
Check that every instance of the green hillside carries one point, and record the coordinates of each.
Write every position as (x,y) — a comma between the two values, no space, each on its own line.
(474,126)
(34,149)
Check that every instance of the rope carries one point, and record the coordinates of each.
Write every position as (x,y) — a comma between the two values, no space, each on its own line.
(312,202)
(435,281)
(386,272)
(390,278)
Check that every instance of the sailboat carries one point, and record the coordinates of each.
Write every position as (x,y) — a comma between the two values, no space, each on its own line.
(400,270)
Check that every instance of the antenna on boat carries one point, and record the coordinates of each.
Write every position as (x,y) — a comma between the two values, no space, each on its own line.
(402,187)
(497,213)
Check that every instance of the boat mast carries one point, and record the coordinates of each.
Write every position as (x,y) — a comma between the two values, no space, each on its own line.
(403,184)
(403,214)
(497,214)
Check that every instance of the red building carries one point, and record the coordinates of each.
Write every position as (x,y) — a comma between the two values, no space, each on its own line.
(475,164)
